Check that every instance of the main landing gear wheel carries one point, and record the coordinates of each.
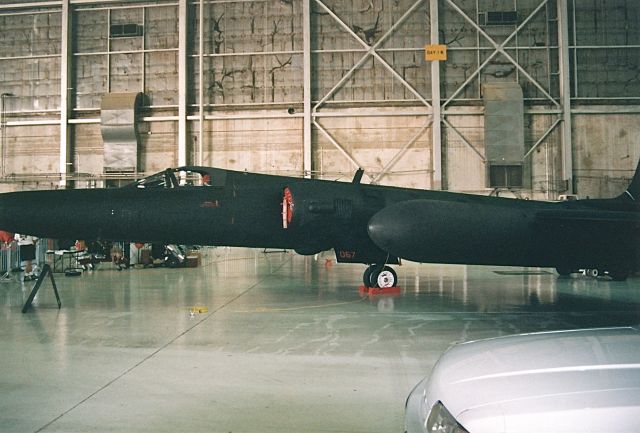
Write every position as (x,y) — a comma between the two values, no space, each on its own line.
(382,277)
(366,277)
(616,274)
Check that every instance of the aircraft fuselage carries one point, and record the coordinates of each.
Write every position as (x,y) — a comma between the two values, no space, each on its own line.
(363,223)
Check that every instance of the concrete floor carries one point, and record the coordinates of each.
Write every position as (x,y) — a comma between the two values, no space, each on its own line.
(288,344)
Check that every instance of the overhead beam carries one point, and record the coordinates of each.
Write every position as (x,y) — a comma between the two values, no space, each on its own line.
(57,3)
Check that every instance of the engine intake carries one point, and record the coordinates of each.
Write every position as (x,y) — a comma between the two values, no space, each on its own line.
(304,209)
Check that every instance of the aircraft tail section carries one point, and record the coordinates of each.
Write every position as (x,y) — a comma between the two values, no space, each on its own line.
(633,192)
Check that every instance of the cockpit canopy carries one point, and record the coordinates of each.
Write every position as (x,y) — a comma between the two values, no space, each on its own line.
(183,177)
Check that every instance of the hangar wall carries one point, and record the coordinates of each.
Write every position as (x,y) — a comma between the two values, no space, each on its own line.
(369,91)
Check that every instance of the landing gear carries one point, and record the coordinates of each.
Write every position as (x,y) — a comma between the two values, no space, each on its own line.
(616,273)
(380,276)
(593,273)
(366,277)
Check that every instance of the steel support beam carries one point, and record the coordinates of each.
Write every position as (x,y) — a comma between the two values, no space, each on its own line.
(3,132)
(371,51)
(565,113)
(464,139)
(337,145)
(65,166)
(436,129)
(565,94)
(400,154)
(201,83)
(541,139)
(500,49)
(55,3)
(143,68)
(25,5)
(307,163)
(183,16)
(109,53)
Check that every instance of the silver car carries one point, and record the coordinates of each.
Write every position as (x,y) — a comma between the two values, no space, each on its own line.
(550,382)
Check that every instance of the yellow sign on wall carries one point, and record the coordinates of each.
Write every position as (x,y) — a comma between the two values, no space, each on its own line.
(435,52)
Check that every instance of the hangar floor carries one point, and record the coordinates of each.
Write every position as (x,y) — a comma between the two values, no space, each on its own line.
(287,344)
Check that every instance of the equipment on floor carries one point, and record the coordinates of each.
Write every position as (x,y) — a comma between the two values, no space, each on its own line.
(46,271)
(175,256)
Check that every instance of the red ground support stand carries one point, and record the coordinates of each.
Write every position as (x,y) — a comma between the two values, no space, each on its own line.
(372,291)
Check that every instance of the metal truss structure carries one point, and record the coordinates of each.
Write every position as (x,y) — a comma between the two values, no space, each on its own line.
(555,101)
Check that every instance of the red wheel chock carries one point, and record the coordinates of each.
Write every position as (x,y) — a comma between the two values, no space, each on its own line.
(373,291)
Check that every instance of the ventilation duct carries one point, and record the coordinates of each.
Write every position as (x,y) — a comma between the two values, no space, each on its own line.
(125,30)
(497,18)
(118,125)
(504,133)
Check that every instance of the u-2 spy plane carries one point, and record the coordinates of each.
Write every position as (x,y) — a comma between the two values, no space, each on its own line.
(370,224)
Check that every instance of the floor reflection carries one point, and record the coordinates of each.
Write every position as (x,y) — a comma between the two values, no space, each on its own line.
(578,301)
(294,331)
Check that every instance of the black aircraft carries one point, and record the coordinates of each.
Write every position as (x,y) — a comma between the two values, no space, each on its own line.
(369,224)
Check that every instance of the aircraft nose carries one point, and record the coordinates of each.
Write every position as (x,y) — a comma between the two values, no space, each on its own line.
(9,212)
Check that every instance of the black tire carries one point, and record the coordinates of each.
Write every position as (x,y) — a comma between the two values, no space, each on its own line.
(383,277)
(563,271)
(366,277)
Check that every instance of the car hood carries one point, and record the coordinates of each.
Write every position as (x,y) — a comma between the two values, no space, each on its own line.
(568,381)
